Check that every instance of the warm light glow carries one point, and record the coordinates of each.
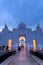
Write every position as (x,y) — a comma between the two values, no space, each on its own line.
(22,38)
(34,45)
(9,45)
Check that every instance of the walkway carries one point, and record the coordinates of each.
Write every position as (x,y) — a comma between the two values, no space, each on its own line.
(23,58)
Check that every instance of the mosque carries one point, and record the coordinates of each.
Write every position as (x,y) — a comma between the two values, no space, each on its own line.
(22,34)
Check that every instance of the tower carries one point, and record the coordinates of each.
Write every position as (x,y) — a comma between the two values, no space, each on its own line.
(38,28)
(6,27)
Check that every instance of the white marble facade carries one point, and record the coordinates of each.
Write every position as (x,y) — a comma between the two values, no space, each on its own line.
(14,35)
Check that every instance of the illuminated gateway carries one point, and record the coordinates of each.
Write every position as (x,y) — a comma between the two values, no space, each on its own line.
(22,34)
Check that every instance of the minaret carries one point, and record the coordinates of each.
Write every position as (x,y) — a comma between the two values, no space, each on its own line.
(6,27)
(38,28)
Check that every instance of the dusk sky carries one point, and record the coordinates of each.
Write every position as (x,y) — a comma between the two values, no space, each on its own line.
(12,12)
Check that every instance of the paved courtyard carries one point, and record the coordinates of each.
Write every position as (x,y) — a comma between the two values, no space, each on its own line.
(23,58)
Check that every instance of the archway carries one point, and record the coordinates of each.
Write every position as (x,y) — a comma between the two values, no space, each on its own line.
(34,45)
(9,45)
(22,41)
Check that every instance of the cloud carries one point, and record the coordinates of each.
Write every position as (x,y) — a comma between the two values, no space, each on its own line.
(5,17)
(13,11)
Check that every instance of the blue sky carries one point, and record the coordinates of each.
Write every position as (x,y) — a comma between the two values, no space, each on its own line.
(13,12)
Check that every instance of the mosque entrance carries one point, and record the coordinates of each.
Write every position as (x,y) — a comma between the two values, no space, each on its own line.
(22,41)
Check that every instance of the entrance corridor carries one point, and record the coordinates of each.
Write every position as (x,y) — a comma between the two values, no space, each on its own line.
(23,58)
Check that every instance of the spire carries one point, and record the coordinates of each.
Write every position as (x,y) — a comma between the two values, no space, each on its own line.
(6,27)
(38,28)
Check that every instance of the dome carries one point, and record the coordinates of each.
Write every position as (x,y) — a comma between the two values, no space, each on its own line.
(22,25)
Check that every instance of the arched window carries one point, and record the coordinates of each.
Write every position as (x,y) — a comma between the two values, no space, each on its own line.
(9,44)
(34,45)
(22,41)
